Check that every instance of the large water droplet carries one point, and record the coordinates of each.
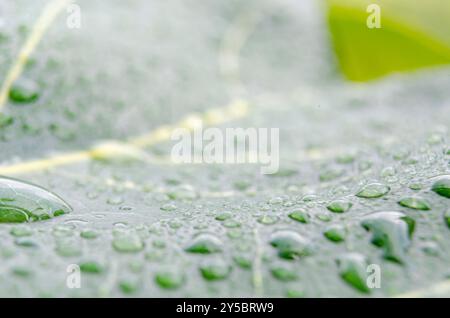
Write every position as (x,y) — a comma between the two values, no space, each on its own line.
(414,203)
(352,268)
(335,233)
(392,231)
(127,243)
(373,190)
(205,244)
(169,279)
(24,92)
(215,270)
(24,202)
(339,206)
(442,187)
(290,245)
(299,216)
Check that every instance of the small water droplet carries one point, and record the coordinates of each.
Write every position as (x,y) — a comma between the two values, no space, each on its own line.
(268,219)
(89,234)
(335,233)
(290,245)
(373,190)
(283,273)
(169,279)
(116,200)
(415,203)
(205,244)
(299,216)
(91,267)
(243,261)
(339,206)
(168,207)
(215,270)
(20,231)
(127,243)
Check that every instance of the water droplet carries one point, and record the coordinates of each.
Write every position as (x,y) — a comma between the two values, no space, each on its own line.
(330,174)
(116,200)
(20,231)
(290,245)
(335,233)
(415,203)
(392,231)
(339,206)
(169,279)
(243,261)
(231,224)
(127,243)
(223,216)
(5,121)
(442,187)
(215,270)
(430,248)
(89,234)
(447,218)
(68,248)
(283,273)
(128,287)
(23,202)
(91,267)
(168,207)
(373,190)
(205,244)
(299,216)
(22,271)
(25,242)
(352,269)
(24,91)
(268,219)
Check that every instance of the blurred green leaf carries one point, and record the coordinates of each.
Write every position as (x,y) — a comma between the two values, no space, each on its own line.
(411,36)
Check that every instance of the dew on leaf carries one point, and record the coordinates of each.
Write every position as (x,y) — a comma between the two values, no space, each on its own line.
(127,243)
(205,244)
(24,91)
(215,270)
(89,234)
(25,242)
(223,216)
(91,267)
(20,231)
(268,219)
(5,121)
(373,190)
(299,216)
(168,207)
(414,203)
(128,287)
(169,279)
(335,233)
(352,269)
(243,261)
(24,202)
(339,206)
(283,273)
(290,245)
(68,248)
(391,231)
(442,187)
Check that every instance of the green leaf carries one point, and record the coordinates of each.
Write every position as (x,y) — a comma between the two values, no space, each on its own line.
(411,37)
